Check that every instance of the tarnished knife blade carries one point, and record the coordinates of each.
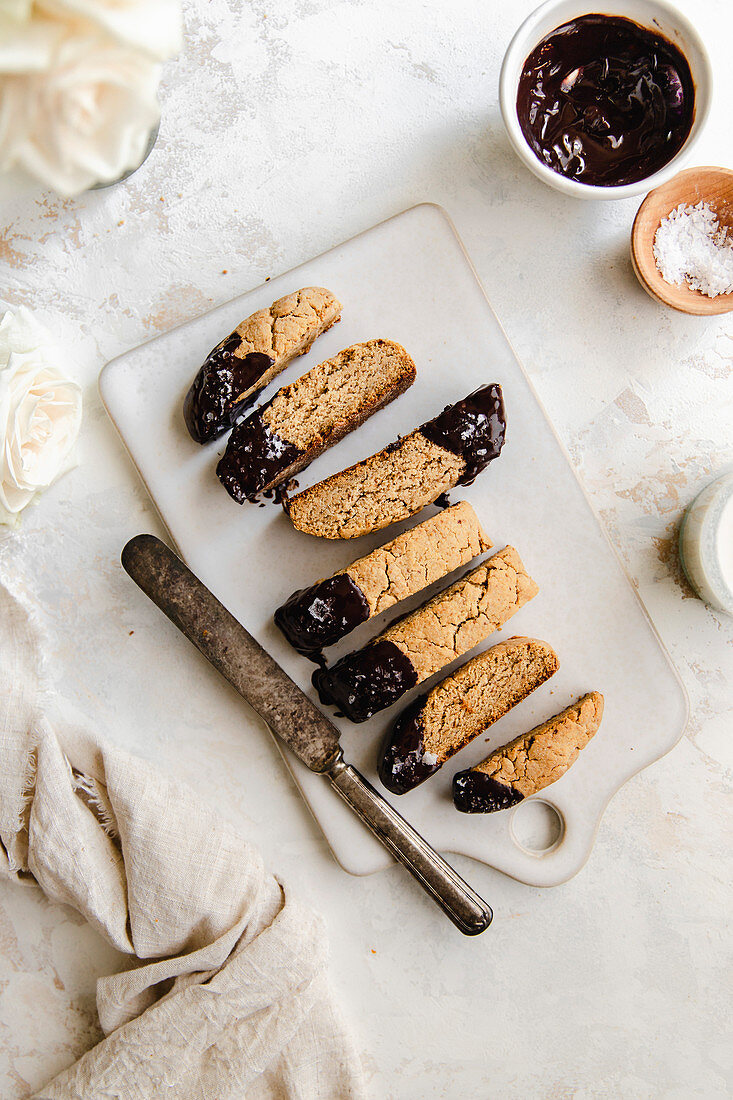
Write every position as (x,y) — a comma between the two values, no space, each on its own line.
(233,651)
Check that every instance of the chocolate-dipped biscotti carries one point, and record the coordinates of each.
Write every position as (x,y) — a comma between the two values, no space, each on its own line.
(420,644)
(530,762)
(327,611)
(305,418)
(247,360)
(400,480)
(459,708)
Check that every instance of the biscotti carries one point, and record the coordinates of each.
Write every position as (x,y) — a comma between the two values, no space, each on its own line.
(305,418)
(530,762)
(420,644)
(414,471)
(441,722)
(240,367)
(327,611)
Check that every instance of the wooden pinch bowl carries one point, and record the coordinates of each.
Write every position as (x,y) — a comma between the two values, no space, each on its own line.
(711,185)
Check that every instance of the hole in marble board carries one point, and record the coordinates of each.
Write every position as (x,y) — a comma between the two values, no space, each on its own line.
(537,827)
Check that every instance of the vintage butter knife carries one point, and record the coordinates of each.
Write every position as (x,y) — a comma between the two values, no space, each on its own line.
(294,718)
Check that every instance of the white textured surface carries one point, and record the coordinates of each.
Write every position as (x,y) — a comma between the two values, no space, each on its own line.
(288,127)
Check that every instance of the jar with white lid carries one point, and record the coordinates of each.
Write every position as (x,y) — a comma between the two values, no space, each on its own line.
(706,544)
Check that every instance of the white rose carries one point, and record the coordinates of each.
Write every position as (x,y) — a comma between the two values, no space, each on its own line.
(40,414)
(85,118)
(153,26)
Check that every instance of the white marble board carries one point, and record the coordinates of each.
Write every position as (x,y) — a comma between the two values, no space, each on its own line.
(409,279)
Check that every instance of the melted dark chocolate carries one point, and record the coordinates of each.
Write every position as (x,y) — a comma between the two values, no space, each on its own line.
(477,793)
(281,493)
(473,428)
(366,681)
(255,458)
(211,404)
(604,101)
(322,614)
(402,765)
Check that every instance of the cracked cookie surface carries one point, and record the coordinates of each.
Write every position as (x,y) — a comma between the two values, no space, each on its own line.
(407,475)
(530,762)
(311,414)
(423,642)
(320,615)
(440,723)
(464,614)
(418,557)
(290,325)
(242,364)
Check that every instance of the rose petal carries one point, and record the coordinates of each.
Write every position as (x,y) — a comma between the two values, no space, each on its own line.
(86,118)
(154,26)
(40,414)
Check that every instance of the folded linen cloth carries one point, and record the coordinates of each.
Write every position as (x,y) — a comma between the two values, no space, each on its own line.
(230,997)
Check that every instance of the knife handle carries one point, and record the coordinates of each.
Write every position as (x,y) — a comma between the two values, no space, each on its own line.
(469,912)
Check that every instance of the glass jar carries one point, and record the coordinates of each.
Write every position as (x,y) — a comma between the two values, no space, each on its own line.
(706,544)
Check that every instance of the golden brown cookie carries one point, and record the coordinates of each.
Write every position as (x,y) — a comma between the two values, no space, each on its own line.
(240,367)
(420,644)
(327,611)
(531,762)
(305,418)
(414,471)
(440,723)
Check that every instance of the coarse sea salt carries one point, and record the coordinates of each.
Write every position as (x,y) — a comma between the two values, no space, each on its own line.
(691,246)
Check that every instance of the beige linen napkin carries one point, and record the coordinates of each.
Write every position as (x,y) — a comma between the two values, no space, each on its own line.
(230,996)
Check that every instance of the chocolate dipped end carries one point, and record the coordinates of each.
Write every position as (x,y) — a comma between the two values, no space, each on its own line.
(402,765)
(322,614)
(474,429)
(214,403)
(477,793)
(367,681)
(256,459)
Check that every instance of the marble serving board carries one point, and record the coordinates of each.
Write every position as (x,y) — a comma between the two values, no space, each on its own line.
(410,280)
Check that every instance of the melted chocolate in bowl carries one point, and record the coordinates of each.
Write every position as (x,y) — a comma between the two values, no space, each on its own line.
(604,101)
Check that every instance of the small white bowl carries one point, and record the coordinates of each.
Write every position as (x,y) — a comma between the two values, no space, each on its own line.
(661,18)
